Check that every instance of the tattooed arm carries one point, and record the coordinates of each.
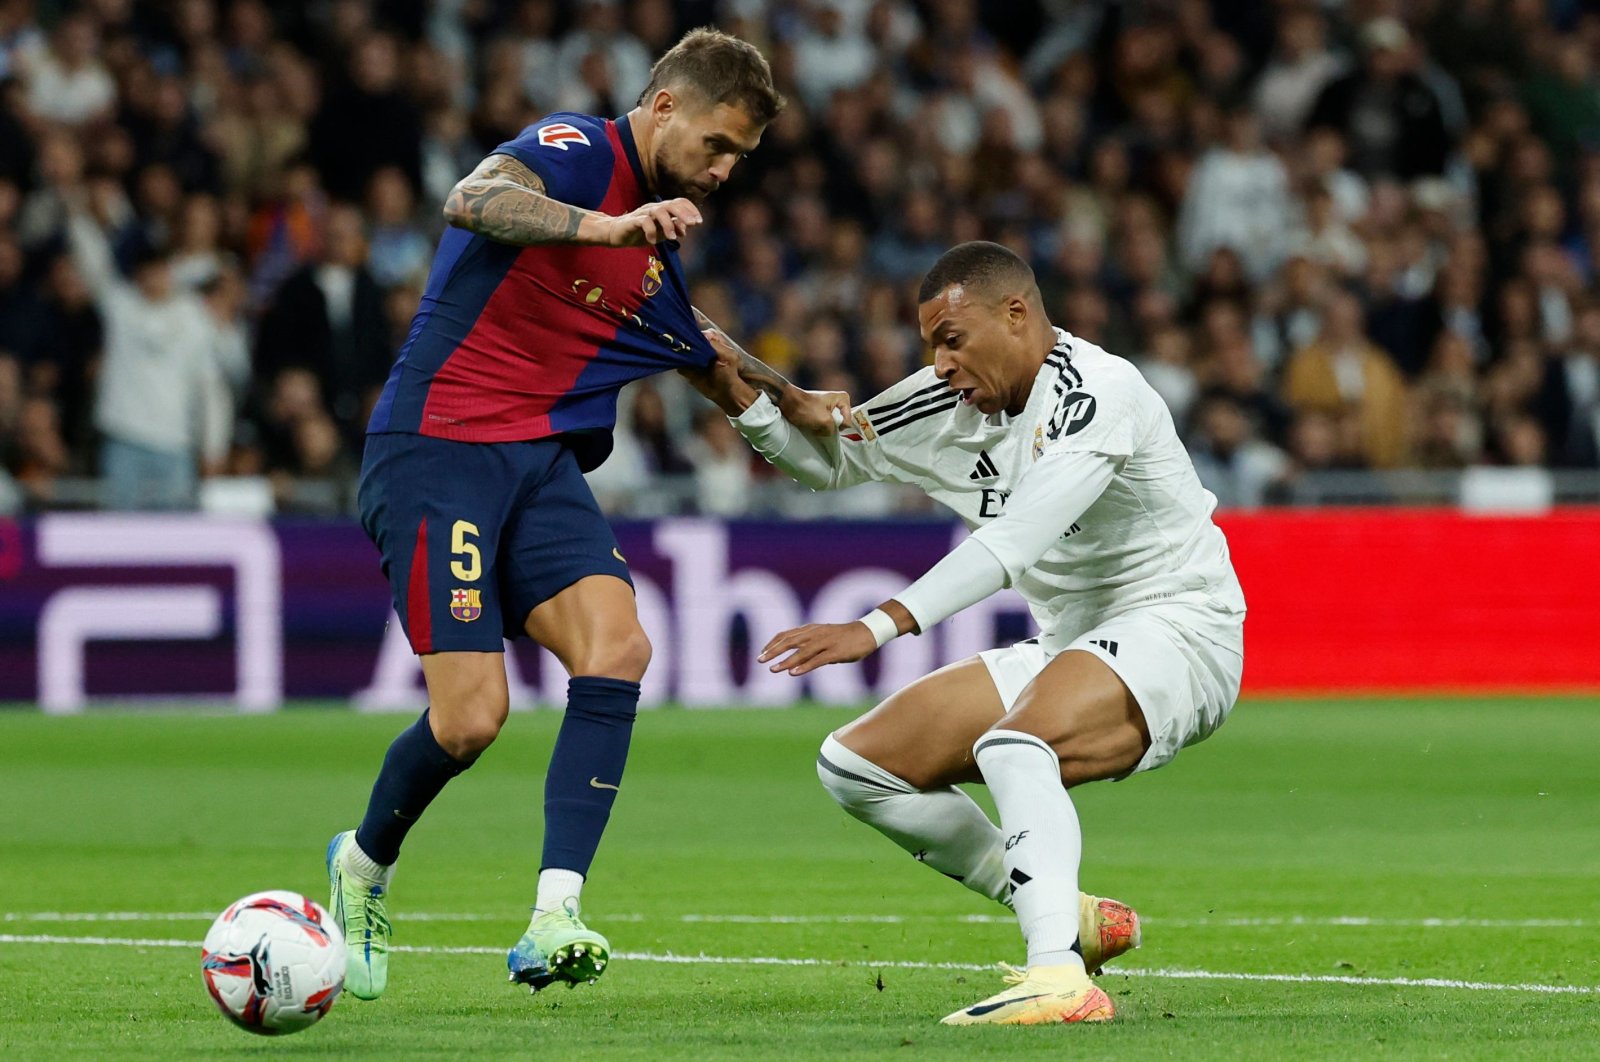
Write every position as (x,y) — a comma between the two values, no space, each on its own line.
(506,201)
(814,411)
(752,370)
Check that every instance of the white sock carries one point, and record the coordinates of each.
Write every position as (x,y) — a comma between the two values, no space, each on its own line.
(555,887)
(1043,842)
(943,827)
(365,868)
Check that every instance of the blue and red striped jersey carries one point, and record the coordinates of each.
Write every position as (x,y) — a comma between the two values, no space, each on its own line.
(515,343)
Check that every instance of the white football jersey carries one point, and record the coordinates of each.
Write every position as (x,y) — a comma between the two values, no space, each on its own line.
(1148,538)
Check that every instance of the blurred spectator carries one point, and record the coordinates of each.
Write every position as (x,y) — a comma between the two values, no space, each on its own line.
(367,122)
(66,362)
(156,406)
(831,53)
(68,83)
(1389,117)
(1302,64)
(21,43)
(197,251)
(721,461)
(653,434)
(41,453)
(329,318)
(600,67)
(1238,197)
(400,251)
(1449,435)
(1564,101)
(43,217)
(1568,400)
(1167,368)
(1235,465)
(1345,376)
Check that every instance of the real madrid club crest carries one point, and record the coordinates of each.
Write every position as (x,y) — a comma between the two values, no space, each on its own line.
(466,605)
(652,276)
(1038,441)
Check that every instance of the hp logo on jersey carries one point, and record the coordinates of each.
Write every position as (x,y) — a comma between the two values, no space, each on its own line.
(1072,414)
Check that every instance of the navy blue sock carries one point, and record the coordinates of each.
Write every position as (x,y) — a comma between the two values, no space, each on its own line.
(586,769)
(414,770)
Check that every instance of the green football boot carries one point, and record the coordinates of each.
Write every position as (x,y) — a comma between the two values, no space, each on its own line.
(357,907)
(558,947)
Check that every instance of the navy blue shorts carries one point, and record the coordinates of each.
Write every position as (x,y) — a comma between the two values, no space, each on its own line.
(474,535)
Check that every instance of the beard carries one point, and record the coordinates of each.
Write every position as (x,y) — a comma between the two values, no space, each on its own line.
(672,185)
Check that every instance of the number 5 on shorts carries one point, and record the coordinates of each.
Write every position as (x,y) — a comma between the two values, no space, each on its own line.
(469,570)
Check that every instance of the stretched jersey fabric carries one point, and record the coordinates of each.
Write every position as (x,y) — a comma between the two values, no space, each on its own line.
(518,343)
(1147,535)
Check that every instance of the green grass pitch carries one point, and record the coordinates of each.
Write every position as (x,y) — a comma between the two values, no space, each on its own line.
(1379,841)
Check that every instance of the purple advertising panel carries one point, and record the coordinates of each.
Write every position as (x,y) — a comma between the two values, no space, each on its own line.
(100,608)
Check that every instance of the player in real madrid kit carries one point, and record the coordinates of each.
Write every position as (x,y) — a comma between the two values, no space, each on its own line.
(1067,466)
(556,283)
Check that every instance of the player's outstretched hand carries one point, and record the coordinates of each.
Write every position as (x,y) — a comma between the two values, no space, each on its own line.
(816,644)
(653,223)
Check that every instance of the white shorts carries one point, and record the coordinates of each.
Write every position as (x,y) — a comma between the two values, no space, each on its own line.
(1183,664)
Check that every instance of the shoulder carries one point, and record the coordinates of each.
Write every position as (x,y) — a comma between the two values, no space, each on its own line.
(1094,392)
(1083,366)
(918,397)
(562,138)
(565,131)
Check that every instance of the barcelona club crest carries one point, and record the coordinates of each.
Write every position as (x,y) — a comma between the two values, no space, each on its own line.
(652,276)
(466,605)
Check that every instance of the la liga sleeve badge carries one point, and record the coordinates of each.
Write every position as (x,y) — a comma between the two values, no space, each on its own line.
(560,134)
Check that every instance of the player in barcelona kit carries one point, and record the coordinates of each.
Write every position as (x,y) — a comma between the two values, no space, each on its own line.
(1067,467)
(556,283)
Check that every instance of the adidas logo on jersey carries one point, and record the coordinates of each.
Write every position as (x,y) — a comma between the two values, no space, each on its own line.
(986,468)
(1105,643)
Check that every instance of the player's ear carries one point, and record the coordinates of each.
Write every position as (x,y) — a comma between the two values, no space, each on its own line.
(1016,312)
(662,106)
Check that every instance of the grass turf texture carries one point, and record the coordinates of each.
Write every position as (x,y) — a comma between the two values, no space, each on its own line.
(1399,810)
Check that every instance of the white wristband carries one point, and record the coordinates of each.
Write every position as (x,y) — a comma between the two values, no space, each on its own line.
(883,627)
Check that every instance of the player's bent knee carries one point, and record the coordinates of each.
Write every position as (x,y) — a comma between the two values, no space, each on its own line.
(854,782)
(465,735)
(624,655)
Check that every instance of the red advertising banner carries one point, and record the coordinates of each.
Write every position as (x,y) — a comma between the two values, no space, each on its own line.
(1385,600)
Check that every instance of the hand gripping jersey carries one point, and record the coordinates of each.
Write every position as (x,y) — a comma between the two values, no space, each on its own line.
(1146,538)
(519,343)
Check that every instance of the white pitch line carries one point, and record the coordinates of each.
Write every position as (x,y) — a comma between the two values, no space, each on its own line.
(768,960)
(1385,923)
(1337,921)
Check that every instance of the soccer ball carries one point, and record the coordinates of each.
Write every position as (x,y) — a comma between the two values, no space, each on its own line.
(274,962)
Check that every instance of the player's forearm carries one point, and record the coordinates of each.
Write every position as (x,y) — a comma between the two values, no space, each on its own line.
(752,370)
(1047,503)
(732,396)
(798,455)
(967,574)
(510,212)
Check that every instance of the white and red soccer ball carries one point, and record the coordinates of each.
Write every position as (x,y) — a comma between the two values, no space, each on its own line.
(273,962)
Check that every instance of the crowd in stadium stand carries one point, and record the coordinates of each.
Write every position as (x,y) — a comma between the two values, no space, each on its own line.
(1354,235)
